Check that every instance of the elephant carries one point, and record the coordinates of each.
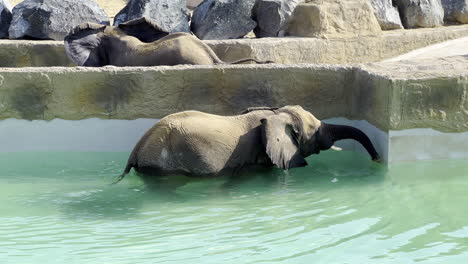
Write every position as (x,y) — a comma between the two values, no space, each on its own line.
(199,144)
(137,43)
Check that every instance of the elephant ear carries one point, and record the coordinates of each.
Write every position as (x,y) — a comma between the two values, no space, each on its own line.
(83,45)
(280,138)
(143,29)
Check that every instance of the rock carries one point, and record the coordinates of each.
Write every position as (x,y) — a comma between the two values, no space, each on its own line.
(223,19)
(420,13)
(191,4)
(53,19)
(386,14)
(456,10)
(5,18)
(271,15)
(169,15)
(144,29)
(332,18)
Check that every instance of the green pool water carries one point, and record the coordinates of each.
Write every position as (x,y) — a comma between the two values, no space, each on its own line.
(60,208)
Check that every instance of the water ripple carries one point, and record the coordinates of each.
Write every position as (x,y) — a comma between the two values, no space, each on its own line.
(408,214)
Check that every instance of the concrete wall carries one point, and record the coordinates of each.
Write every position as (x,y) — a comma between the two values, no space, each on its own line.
(393,97)
(24,53)
(20,53)
(129,93)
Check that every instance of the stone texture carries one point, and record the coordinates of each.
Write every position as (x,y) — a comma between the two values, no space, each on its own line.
(21,53)
(386,14)
(450,48)
(456,10)
(391,96)
(420,13)
(223,19)
(428,93)
(111,7)
(191,4)
(333,18)
(271,15)
(152,92)
(5,18)
(53,19)
(169,15)
(24,53)
(358,49)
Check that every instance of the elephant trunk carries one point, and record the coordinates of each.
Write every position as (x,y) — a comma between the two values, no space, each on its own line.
(330,133)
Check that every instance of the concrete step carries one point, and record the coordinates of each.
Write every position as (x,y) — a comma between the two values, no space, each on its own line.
(22,53)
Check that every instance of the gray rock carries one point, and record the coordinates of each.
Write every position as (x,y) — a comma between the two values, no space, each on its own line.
(5,18)
(191,4)
(456,10)
(53,19)
(386,14)
(169,15)
(223,19)
(271,15)
(420,13)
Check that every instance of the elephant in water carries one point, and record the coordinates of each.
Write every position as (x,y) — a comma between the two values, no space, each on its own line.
(194,143)
(137,43)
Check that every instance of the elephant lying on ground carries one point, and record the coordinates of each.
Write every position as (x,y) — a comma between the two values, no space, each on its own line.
(199,144)
(96,45)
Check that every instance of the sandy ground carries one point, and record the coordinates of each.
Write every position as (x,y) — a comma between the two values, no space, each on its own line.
(112,7)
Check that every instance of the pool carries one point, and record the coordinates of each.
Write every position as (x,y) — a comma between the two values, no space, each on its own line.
(58,207)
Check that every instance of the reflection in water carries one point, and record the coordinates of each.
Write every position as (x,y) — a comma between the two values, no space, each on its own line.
(342,208)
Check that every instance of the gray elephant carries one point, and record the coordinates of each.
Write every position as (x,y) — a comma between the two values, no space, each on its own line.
(137,43)
(194,143)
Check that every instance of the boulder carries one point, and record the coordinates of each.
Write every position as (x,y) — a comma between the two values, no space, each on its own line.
(420,13)
(333,18)
(456,10)
(223,19)
(53,19)
(169,15)
(191,4)
(271,15)
(5,18)
(386,14)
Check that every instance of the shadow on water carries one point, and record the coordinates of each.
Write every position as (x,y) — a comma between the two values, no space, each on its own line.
(128,197)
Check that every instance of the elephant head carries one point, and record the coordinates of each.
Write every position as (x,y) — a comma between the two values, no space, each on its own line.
(291,134)
(91,44)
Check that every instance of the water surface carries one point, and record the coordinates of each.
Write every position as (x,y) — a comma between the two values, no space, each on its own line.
(58,207)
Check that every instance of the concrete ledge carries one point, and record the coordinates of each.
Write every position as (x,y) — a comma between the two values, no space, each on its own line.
(130,93)
(27,53)
(429,93)
(393,97)
(362,49)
